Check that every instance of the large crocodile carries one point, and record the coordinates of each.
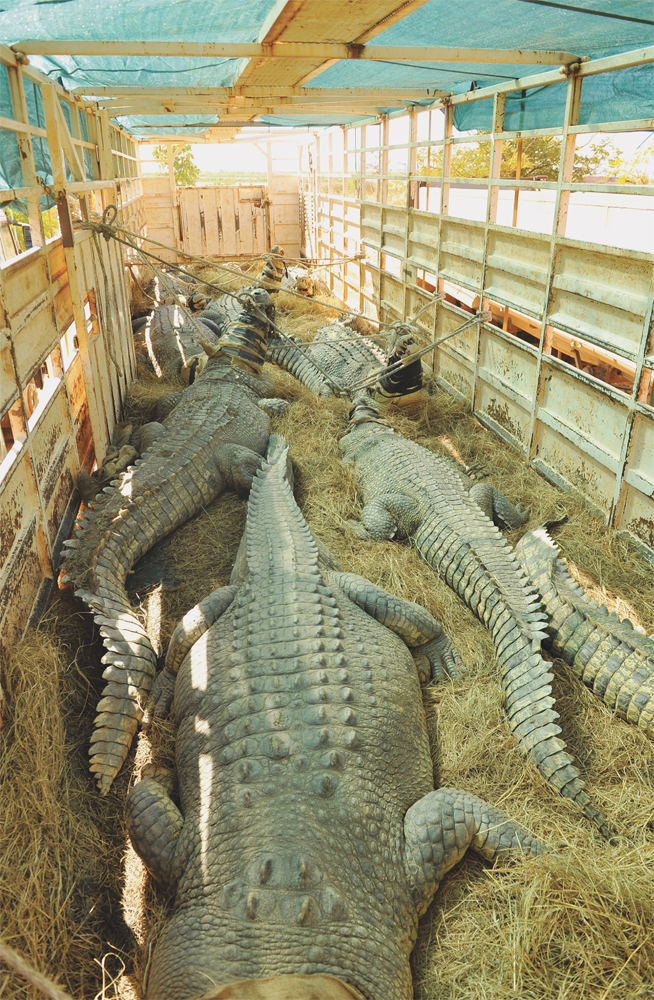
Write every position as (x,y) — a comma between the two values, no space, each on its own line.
(610,656)
(308,839)
(338,358)
(409,492)
(213,440)
(168,339)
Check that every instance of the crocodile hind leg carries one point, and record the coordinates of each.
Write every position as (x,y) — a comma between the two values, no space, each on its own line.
(433,651)
(441,826)
(495,506)
(389,515)
(238,465)
(154,824)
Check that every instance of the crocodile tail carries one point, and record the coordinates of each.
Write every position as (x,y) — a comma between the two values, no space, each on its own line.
(278,538)
(130,667)
(128,518)
(611,657)
(533,720)
(512,613)
(297,361)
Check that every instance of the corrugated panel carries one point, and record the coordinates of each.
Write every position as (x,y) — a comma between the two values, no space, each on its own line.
(565,462)
(501,410)
(392,298)
(601,297)
(394,230)
(509,365)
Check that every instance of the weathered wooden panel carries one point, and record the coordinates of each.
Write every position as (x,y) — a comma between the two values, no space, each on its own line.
(224,221)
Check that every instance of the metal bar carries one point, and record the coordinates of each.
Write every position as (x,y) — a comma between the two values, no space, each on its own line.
(26,155)
(588,10)
(294,50)
(14,194)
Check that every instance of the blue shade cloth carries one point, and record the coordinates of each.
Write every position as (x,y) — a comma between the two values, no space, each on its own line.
(625,95)
(166,124)
(319,121)
(11,175)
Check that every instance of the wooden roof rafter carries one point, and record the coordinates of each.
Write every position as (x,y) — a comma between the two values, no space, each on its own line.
(326,51)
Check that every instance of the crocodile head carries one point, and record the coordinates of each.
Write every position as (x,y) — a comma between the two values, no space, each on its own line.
(291,987)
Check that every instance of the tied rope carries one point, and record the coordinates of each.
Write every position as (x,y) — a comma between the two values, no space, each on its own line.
(110,228)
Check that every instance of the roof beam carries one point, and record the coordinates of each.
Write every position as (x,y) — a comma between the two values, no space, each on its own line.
(295,50)
(407,93)
(255,102)
(240,112)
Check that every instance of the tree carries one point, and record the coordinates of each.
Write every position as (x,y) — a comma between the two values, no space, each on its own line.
(185,168)
(540,158)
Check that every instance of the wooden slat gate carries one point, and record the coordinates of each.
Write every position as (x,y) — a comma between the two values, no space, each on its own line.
(225,221)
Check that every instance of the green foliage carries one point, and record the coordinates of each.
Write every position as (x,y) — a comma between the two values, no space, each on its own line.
(540,158)
(185,168)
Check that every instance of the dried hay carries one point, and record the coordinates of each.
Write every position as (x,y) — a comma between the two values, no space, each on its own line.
(141,286)
(574,924)
(61,843)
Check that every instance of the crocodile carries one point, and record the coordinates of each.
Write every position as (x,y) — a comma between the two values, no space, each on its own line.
(409,492)
(167,339)
(338,358)
(213,440)
(612,657)
(308,837)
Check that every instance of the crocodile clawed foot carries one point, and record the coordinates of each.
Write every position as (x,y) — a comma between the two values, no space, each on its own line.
(274,407)
(442,657)
(160,699)
(358,530)
(523,513)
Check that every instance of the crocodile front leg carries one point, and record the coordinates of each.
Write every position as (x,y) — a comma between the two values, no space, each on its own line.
(441,826)
(154,824)
(274,406)
(496,507)
(433,651)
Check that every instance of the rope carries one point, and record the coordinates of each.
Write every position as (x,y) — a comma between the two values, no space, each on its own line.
(110,229)
(106,323)
(410,358)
